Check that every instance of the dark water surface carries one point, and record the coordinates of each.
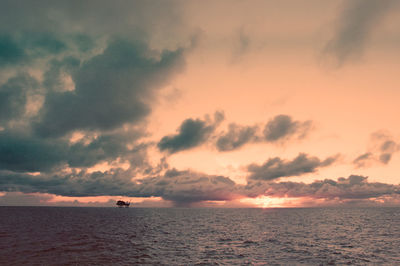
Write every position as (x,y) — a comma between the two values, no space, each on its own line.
(112,236)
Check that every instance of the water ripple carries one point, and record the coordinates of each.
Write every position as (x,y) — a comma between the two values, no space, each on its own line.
(112,236)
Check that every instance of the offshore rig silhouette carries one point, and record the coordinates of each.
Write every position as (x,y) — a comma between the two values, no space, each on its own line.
(122,203)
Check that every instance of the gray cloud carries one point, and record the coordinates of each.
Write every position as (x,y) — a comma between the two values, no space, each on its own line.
(283,127)
(236,137)
(353,187)
(146,19)
(24,49)
(185,188)
(362,160)
(279,129)
(181,187)
(95,69)
(53,77)
(23,152)
(10,52)
(13,96)
(113,182)
(354,27)
(275,168)
(111,89)
(382,148)
(191,133)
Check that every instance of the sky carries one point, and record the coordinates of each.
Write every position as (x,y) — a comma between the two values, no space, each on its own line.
(200,103)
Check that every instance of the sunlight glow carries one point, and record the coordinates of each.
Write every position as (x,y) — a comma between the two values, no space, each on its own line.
(270,202)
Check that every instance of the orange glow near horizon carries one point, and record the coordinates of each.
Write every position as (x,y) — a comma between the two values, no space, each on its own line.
(272,202)
(99,199)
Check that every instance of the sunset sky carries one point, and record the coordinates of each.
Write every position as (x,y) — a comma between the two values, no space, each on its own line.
(200,103)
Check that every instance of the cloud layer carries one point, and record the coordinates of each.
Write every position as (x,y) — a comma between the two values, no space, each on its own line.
(184,188)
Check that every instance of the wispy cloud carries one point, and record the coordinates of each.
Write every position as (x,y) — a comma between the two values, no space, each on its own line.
(382,147)
(354,27)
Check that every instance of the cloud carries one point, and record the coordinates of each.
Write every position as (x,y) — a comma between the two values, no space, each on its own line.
(14,95)
(23,152)
(149,19)
(10,52)
(92,69)
(236,137)
(282,127)
(24,49)
(111,89)
(354,28)
(54,77)
(77,183)
(186,188)
(241,45)
(279,129)
(382,148)
(361,161)
(180,187)
(275,168)
(353,187)
(191,133)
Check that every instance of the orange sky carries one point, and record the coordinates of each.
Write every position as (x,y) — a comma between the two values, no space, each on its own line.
(333,63)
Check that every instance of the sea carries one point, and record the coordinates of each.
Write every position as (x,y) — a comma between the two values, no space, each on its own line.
(199,236)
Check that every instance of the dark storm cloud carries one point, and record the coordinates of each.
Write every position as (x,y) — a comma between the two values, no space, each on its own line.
(109,147)
(236,137)
(113,182)
(191,133)
(353,187)
(354,27)
(95,70)
(382,148)
(96,17)
(13,96)
(52,78)
(23,152)
(283,127)
(275,168)
(10,52)
(111,89)
(22,48)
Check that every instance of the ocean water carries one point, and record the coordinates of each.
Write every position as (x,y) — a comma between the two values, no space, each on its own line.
(183,236)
